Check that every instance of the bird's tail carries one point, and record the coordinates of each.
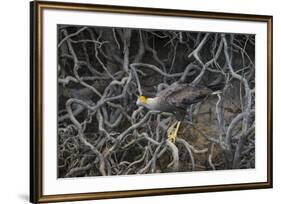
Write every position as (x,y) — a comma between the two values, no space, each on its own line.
(217,92)
(216,87)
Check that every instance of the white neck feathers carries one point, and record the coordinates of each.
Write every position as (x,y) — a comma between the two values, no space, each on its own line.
(152,103)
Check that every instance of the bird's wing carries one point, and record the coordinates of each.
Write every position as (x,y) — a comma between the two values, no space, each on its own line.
(182,95)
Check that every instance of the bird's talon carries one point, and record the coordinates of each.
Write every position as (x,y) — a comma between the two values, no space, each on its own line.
(172,132)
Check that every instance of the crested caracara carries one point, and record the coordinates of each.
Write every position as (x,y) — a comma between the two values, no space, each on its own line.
(175,99)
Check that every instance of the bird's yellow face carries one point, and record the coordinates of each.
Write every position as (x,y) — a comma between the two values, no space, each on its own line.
(142,100)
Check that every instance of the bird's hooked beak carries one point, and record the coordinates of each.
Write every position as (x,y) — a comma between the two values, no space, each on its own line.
(138,102)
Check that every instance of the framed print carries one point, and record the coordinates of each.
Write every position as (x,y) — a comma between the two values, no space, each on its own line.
(130,101)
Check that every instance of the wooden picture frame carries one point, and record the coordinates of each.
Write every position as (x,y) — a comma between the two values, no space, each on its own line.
(37,100)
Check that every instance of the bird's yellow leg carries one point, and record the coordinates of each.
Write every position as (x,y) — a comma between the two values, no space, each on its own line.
(173,131)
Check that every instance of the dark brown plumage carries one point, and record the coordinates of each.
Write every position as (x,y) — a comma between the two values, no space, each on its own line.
(177,97)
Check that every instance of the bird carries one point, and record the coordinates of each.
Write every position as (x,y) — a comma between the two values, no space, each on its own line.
(175,99)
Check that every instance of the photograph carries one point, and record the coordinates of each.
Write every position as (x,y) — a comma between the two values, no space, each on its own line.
(133,101)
